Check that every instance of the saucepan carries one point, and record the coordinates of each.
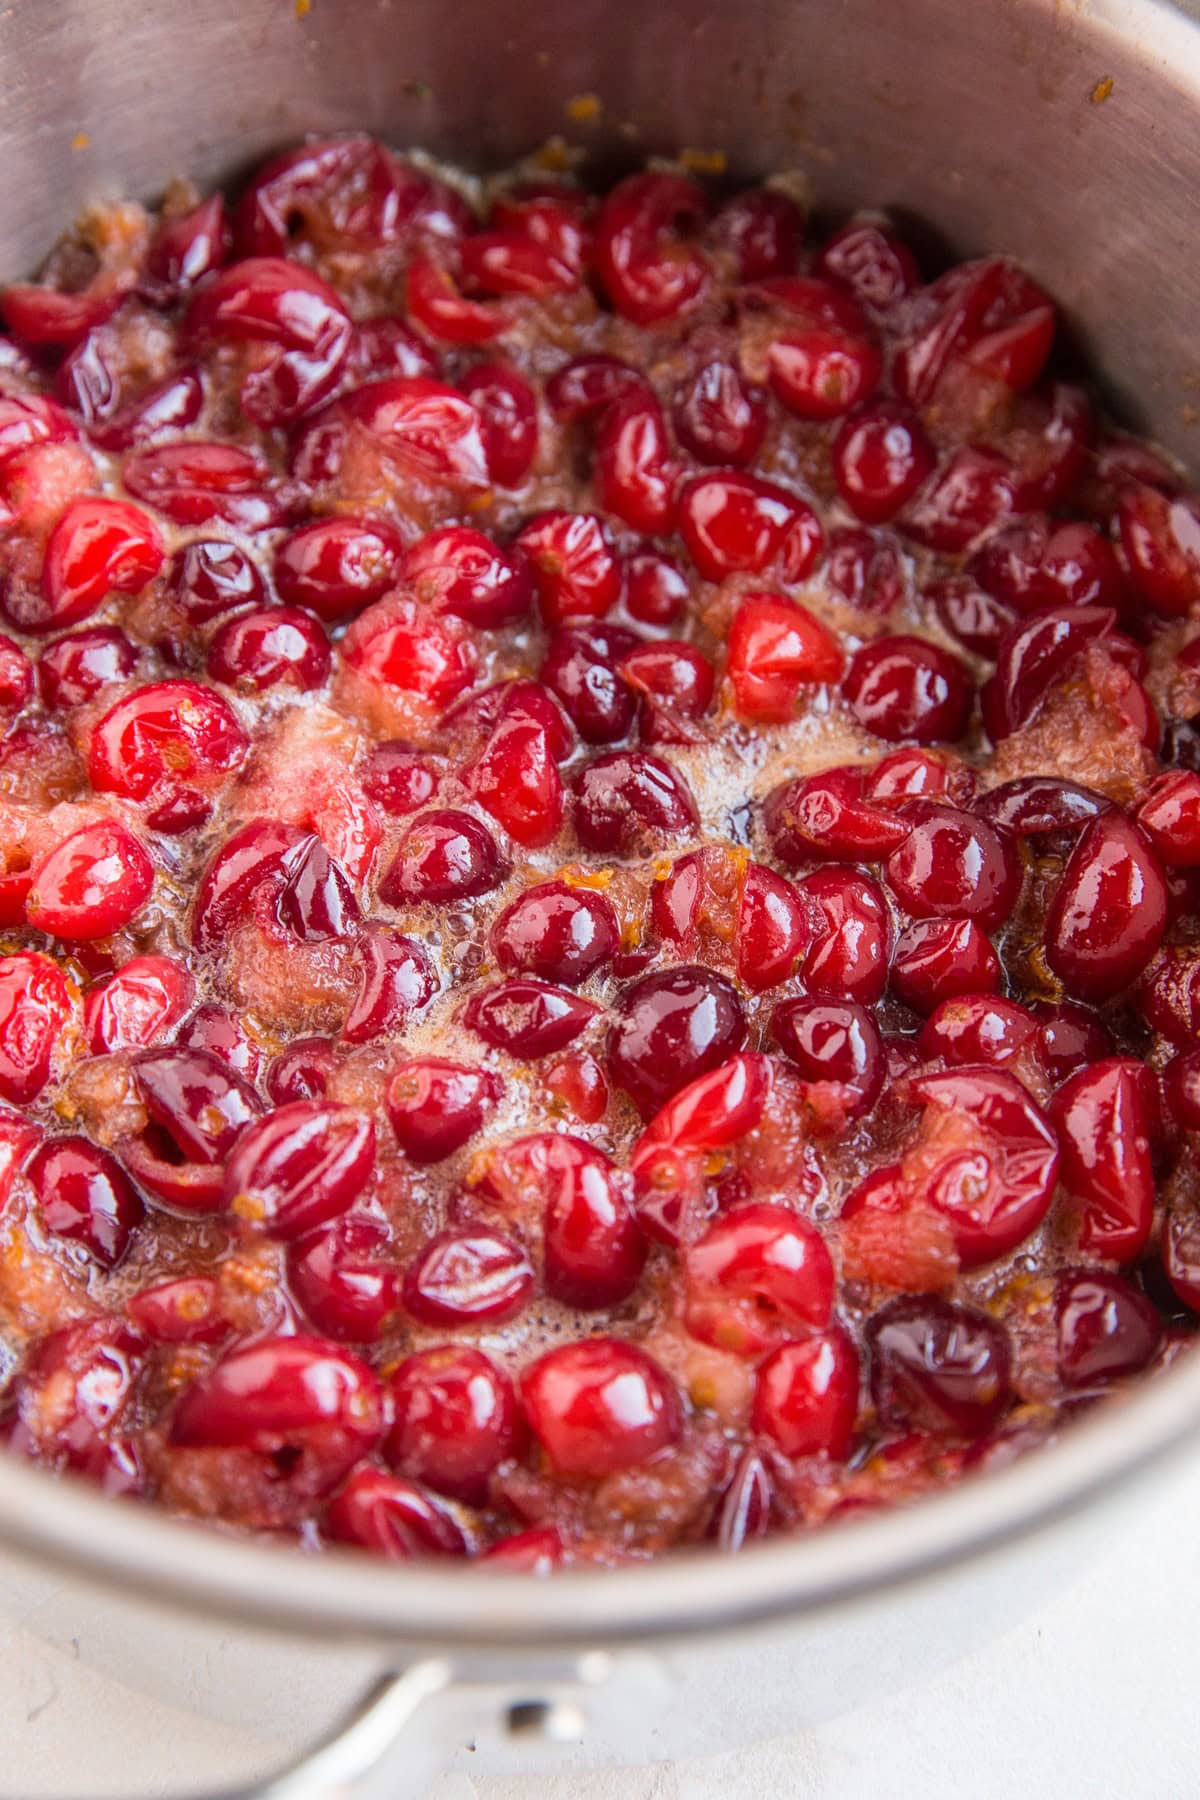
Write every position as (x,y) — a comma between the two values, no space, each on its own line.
(1064,131)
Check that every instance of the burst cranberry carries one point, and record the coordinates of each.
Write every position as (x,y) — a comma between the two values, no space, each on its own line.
(1032,658)
(973,490)
(195,483)
(344,1280)
(508,421)
(594,1249)
(345,193)
(443,857)
(316,901)
(951,863)
(1109,910)
(588,385)
(435,1106)
(881,456)
(161,737)
(1106,1329)
(85,1196)
(468,1277)
(599,1406)
(646,267)
(455,1420)
(977,1028)
(535,1552)
(763,230)
(278,647)
(91,884)
(396,979)
(210,577)
(476,717)
(904,687)
(656,589)
(399,646)
(185,1310)
(392,1518)
(776,647)
(970,615)
(938,1367)
(576,572)
(168,405)
(669,1028)
(755,1276)
(247,870)
(98,547)
(35,1006)
(847,952)
(528,1018)
(833,1041)
(424,432)
(461,571)
(1036,565)
(826,816)
(936,960)
(517,781)
(1035,805)
(987,315)
(772,929)
(285,1395)
(399,779)
(1161,540)
(1170,818)
(865,569)
(201,1104)
(187,246)
(558,932)
(737,524)
(582,668)
(302,1071)
(625,798)
(806,1396)
(337,566)
(143,1002)
(872,261)
(75,1389)
(1105,1114)
(719,417)
(271,301)
(74,668)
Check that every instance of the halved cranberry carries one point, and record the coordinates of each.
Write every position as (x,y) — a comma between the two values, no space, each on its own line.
(1031,659)
(397,978)
(277,647)
(756,1275)
(211,576)
(435,1106)
(635,473)
(938,1367)
(248,867)
(444,856)
(198,1100)
(91,884)
(833,1041)
(302,1071)
(468,1277)
(822,358)
(508,420)
(872,261)
(528,1018)
(656,589)
(558,932)
(719,417)
(977,1028)
(35,1005)
(881,456)
(936,960)
(905,687)
(337,566)
(163,736)
(344,1280)
(74,668)
(806,1395)
(399,779)
(461,571)
(627,798)
(772,929)
(582,668)
(599,1406)
(847,953)
(516,780)
(763,230)
(1160,536)
(776,647)
(98,547)
(737,524)
(1106,1329)
(194,483)
(1104,1115)
(1170,818)
(84,1195)
(648,271)
(455,1420)
(954,864)
(184,1310)
(825,816)
(392,1518)
(575,570)
(594,1249)
(1109,910)
(144,1001)
(1034,805)
(670,1027)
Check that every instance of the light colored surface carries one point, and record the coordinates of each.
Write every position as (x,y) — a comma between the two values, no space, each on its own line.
(1095,1693)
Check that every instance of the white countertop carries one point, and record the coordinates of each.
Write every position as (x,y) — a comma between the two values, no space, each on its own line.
(1093,1697)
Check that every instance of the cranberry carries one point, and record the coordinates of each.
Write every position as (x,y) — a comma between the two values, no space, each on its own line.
(1170,818)
(881,456)
(271,301)
(508,420)
(872,261)
(73,669)
(1109,910)
(977,1028)
(576,1085)
(669,1028)
(422,429)
(987,315)
(392,1518)
(772,929)
(444,857)
(246,870)
(85,1196)
(1180,1252)
(626,798)
(98,547)
(300,1166)
(285,1395)
(528,1018)
(736,524)
(594,1249)
(953,864)
(936,960)
(1036,805)
(517,781)
(397,978)
(588,385)
(1031,659)
(195,483)
(316,901)
(676,684)
(720,418)
(710,1113)
(913,774)
(1106,1329)
(823,358)
(1036,565)
(345,193)
(398,779)
(1161,540)
(904,687)
(461,571)
(561,933)
(970,615)
(337,566)
(833,1041)
(437,307)
(535,1552)
(1105,1115)
(455,1421)
(398,646)
(938,1367)
(75,1389)
(199,1102)
(1069,1037)
(342,1278)
(581,668)
(656,589)
(91,884)
(302,1071)
(635,474)
(211,576)
(599,1406)
(476,717)
(143,1002)
(974,490)
(153,741)
(756,1275)
(825,815)
(468,1277)
(847,953)
(185,247)
(35,1006)
(435,1106)
(171,404)
(647,271)
(575,570)
(277,647)
(806,1396)
(382,347)
(763,230)
(776,647)
(185,1310)
(865,569)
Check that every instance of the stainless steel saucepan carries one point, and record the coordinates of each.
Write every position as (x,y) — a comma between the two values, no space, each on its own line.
(1064,131)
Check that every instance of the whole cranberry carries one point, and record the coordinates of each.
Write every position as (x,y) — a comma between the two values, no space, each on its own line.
(76,667)
(1106,1329)
(626,798)
(277,647)
(468,1277)
(833,1042)
(454,1421)
(91,884)
(508,419)
(1105,1114)
(582,669)
(435,1106)
(461,571)
(594,1248)
(938,1367)
(302,1071)
(557,931)
(399,779)
(719,417)
(1109,910)
(211,576)
(599,1406)
(953,864)
(84,1195)
(344,1279)
(300,1166)
(938,959)
(528,1018)
(443,857)
(881,456)
(334,567)
(806,1395)
(670,1027)
(144,1001)
(735,524)
(904,687)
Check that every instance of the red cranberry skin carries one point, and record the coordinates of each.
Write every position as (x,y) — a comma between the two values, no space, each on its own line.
(1179,1249)
(1070,1036)
(185,1310)
(186,247)
(846,957)
(599,1406)
(763,230)
(576,573)
(952,864)
(735,524)
(210,576)
(869,259)
(647,272)
(74,668)
(161,737)
(508,420)
(1038,805)
(634,471)
(772,929)
(342,1278)
(171,404)
(455,1420)
(278,647)
(461,571)
(35,1006)
(98,546)
(582,669)
(517,781)
(758,1274)
(528,1018)
(989,315)
(84,1195)
(881,456)
(198,1100)
(277,302)
(1104,1115)
(1031,658)
(211,1027)
(775,648)
(247,870)
(587,386)
(300,1166)
(669,1028)
(938,1367)
(997,1190)
(970,615)
(825,816)
(398,779)
(424,429)
(397,978)
(973,491)
(558,932)
(302,1071)
(92,1370)
(536,1552)
(1106,1328)
(141,1004)
(827,361)
(92,884)
(444,856)
(16,676)
(1036,565)
(1170,818)
(576,1086)
(391,1518)
(833,1041)
(196,483)
(936,960)
(435,1106)
(977,1028)
(1109,910)
(1160,536)
(903,688)
(336,567)
(719,418)
(316,901)
(656,589)
(806,1396)
(675,681)
(470,1277)
(344,193)
(594,1248)
(627,798)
